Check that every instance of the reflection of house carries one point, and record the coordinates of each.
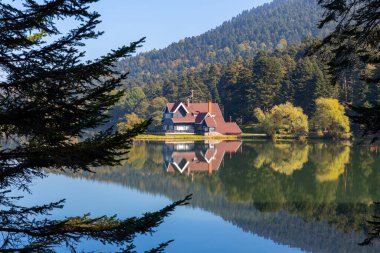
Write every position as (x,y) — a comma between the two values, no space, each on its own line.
(197,157)
(199,118)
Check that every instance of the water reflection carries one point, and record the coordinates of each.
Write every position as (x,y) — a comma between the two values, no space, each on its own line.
(193,157)
(284,158)
(314,196)
(331,161)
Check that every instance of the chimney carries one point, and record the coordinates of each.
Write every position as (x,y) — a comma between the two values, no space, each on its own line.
(188,102)
(210,107)
(230,119)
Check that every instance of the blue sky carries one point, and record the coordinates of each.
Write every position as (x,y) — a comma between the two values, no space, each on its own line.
(161,21)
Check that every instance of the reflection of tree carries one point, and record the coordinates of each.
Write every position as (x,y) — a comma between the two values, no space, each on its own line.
(373,233)
(294,209)
(283,158)
(144,155)
(137,156)
(22,233)
(330,161)
(21,226)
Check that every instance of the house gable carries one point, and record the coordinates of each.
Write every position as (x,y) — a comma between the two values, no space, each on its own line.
(178,106)
(180,112)
(201,117)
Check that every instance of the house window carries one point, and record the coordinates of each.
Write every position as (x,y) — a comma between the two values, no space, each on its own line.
(184,128)
(180,128)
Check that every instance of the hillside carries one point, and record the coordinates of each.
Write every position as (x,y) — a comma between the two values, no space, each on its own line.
(255,60)
(265,28)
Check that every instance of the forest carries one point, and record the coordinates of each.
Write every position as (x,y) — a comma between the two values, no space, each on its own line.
(256,60)
(244,84)
(261,28)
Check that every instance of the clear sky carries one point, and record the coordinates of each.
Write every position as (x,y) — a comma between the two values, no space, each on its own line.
(161,21)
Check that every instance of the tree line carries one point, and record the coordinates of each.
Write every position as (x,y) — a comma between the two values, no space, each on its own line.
(287,75)
(265,28)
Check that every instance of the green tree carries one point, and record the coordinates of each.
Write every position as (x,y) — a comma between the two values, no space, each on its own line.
(330,118)
(231,90)
(213,74)
(131,120)
(267,122)
(268,74)
(155,110)
(353,42)
(132,99)
(282,44)
(50,96)
(284,118)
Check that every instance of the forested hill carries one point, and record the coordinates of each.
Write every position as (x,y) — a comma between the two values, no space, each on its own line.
(266,28)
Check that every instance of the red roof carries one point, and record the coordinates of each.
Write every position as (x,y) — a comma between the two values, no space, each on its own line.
(199,112)
(187,119)
(195,108)
(229,128)
(203,107)
(171,106)
(211,122)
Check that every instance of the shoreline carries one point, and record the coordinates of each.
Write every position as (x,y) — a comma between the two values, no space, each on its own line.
(158,137)
(244,136)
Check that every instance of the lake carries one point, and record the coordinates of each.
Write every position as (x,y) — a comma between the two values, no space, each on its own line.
(254,196)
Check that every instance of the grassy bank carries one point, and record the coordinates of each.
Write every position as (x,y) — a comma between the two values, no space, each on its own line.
(185,137)
(265,136)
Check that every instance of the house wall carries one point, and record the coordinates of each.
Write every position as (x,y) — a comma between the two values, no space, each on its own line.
(168,115)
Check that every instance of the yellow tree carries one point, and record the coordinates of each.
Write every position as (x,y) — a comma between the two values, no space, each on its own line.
(330,118)
(284,118)
(130,121)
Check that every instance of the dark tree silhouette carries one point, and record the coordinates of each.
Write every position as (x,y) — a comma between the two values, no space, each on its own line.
(50,99)
(354,42)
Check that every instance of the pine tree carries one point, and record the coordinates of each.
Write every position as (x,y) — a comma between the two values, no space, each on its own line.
(50,99)
(268,73)
(213,74)
(354,41)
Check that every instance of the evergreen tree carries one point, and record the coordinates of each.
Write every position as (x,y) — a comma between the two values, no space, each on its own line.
(353,42)
(268,73)
(213,74)
(50,97)
(229,87)
(305,84)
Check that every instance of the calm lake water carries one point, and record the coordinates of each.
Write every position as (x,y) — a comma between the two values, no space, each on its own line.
(254,196)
